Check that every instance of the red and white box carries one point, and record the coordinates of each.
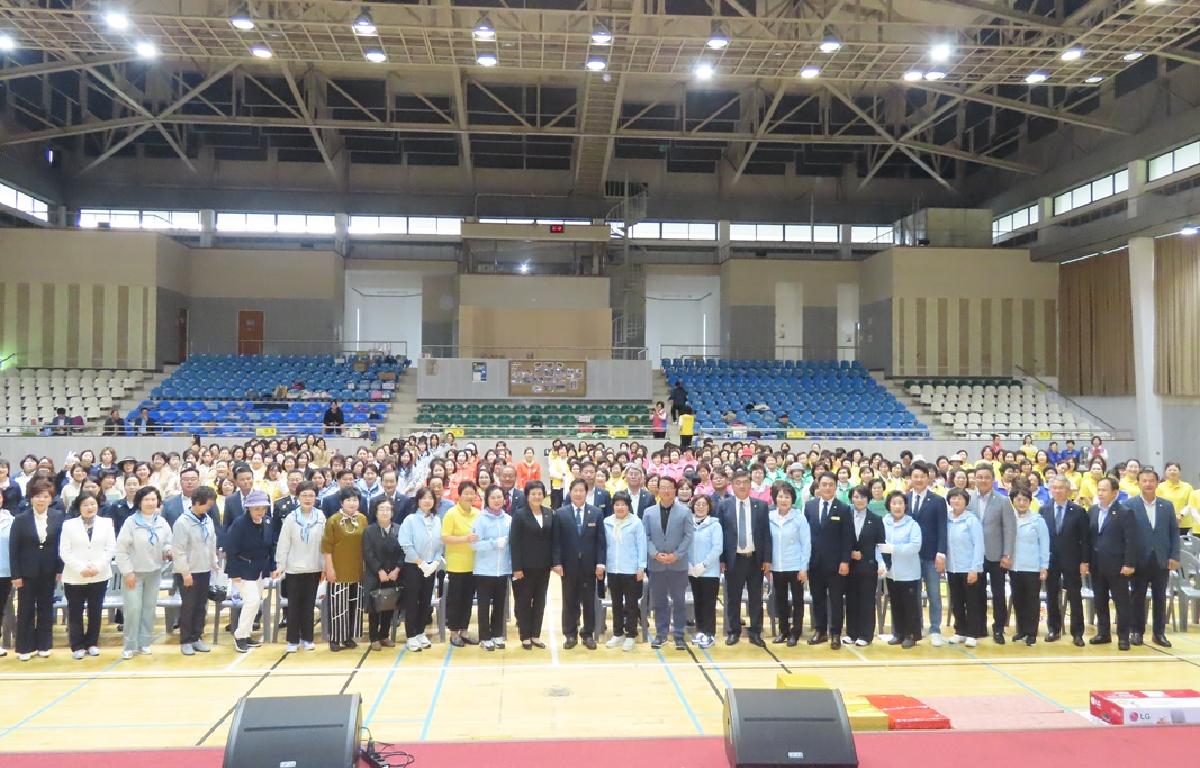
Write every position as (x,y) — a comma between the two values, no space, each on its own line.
(1149,707)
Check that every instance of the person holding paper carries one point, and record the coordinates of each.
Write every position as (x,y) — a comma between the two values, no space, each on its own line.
(704,569)
(902,563)
(420,538)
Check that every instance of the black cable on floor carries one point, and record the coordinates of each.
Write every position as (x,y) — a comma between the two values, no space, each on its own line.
(229,712)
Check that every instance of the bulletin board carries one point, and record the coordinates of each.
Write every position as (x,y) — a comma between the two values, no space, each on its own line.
(547,378)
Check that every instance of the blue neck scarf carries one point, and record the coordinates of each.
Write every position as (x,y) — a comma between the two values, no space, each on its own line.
(306,525)
(152,535)
(203,524)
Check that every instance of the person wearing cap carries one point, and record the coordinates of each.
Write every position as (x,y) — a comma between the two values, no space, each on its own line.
(249,560)
(342,545)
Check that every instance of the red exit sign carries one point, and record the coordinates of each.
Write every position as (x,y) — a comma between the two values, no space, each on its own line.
(557,229)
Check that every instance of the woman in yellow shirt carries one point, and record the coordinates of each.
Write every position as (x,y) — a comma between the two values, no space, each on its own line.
(1087,484)
(460,563)
(1178,493)
(1129,482)
(1028,448)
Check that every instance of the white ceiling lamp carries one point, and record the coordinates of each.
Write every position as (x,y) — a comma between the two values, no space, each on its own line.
(1094,79)
(1133,56)
(116,19)
(940,52)
(242,20)
(7,43)
(261,51)
(596,64)
(935,74)
(830,44)
(146,49)
(1072,54)
(719,39)
(704,71)
(484,31)
(363,25)
(601,35)
(375,55)
(1033,78)
(810,73)
(487,60)
(1189,230)
(913,75)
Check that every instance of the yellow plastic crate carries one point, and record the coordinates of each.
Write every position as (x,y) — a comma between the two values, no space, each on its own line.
(798,681)
(867,719)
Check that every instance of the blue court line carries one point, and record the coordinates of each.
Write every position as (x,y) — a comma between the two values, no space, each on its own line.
(1016,680)
(679,691)
(54,702)
(717,667)
(386,682)
(437,692)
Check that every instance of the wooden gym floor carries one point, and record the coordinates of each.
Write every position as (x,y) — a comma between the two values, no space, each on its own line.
(450,694)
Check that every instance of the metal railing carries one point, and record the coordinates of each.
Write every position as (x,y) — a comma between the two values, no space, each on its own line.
(1101,424)
(498,352)
(991,370)
(396,347)
(766,351)
(358,430)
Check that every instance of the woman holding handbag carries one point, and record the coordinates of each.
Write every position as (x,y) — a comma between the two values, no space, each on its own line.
(382,559)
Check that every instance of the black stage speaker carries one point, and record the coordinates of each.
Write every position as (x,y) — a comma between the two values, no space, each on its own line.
(770,728)
(295,732)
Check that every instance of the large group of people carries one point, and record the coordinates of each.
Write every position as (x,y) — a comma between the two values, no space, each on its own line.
(381,531)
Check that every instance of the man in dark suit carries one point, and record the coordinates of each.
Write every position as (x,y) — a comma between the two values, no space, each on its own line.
(143,424)
(929,510)
(596,495)
(402,506)
(832,526)
(1113,531)
(514,497)
(333,502)
(746,557)
(1070,553)
(531,543)
(578,545)
(1158,555)
(640,499)
(863,580)
(35,567)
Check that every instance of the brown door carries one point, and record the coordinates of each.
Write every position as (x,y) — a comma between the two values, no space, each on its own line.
(183,334)
(250,332)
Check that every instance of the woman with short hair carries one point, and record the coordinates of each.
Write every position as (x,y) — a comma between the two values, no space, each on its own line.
(35,565)
(342,545)
(458,536)
(87,546)
(531,545)
(1030,563)
(964,565)
(704,568)
(900,560)
(298,558)
(382,558)
(492,568)
(791,550)
(143,548)
(420,538)
(624,567)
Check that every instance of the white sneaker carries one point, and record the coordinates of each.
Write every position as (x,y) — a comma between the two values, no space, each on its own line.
(126,654)
(413,644)
(846,640)
(884,637)
(614,641)
(487,645)
(43,654)
(970,642)
(3,651)
(292,647)
(955,639)
(93,651)
(425,642)
(861,643)
(144,650)
(310,646)
(77,655)
(24,656)
(936,641)
(629,644)
(498,642)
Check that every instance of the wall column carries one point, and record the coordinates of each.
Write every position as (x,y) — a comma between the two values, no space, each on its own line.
(847,321)
(1149,405)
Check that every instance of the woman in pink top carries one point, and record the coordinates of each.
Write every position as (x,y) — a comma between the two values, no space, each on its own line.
(759,487)
(704,479)
(658,421)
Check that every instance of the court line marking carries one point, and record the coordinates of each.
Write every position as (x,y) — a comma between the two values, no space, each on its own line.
(55,701)
(716,667)
(1013,678)
(679,692)
(437,692)
(387,681)
(230,711)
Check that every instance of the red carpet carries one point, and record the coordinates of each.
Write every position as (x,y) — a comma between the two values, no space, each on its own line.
(980,749)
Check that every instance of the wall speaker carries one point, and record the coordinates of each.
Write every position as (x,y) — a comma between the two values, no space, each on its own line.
(772,728)
(295,732)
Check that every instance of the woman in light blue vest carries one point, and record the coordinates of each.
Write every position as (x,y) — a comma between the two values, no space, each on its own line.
(625,568)
(902,563)
(493,567)
(964,566)
(791,549)
(704,568)
(1031,559)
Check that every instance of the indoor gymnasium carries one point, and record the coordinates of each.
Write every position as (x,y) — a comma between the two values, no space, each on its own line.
(673,383)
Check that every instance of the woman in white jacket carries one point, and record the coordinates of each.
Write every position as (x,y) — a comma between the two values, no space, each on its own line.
(86,546)
(298,557)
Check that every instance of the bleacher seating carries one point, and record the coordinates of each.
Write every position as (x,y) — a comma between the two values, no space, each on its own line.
(824,398)
(30,394)
(237,394)
(979,408)
(587,419)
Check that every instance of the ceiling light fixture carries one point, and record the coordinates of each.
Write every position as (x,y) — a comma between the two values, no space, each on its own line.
(913,75)
(363,25)
(830,45)
(601,35)
(935,74)
(117,19)
(704,71)
(810,73)
(487,60)
(241,19)
(484,30)
(1072,54)
(261,51)
(1033,78)
(596,64)
(7,43)
(375,55)
(719,38)
(146,49)
(1094,79)
(1133,56)
(1189,230)
(940,52)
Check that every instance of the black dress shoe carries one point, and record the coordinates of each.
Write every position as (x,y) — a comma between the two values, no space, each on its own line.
(527,645)
(1052,636)
(349,644)
(757,640)
(589,643)
(779,640)
(455,640)
(732,639)
(907,643)
(1031,640)
(793,641)
(896,640)
(818,638)
(570,643)
(1162,640)
(998,637)
(681,644)
(1135,638)
(836,643)
(657,643)
(1122,645)
(537,643)
(1078,641)
(335,647)
(1018,638)
(1100,640)
(469,640)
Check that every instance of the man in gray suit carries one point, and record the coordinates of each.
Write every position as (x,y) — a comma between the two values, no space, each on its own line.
(1158,555)
(999,541)
(669,532)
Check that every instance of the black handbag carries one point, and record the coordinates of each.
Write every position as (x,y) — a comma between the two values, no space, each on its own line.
(385,598)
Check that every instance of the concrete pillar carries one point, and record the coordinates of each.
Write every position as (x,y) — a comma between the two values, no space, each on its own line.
(1149,405)
(208,226)
(847,321)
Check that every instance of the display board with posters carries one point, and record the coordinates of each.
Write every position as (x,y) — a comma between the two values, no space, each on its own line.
(547,378)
